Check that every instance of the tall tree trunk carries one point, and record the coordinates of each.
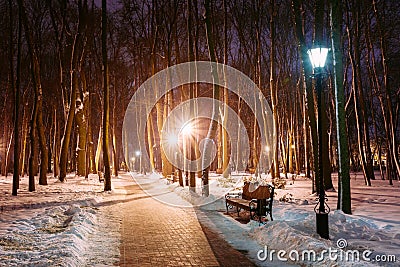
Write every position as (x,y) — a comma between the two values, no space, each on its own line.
(3,162)
(8,152)
(16,88)
(77,51)
(326,161)
(297,128)
(274,93)
(212,130)
(191,141)
(344,192)
(56,145)
(25,123)
(90,144)
(38,97)
(306,130)
(167,168)
(183,97)
(67,132)
(114,135)
(33,150)
(81,125)
(44,156)
(225,152)
(150,141)
(291,146)
(106,101)
(307,71)
(99,149)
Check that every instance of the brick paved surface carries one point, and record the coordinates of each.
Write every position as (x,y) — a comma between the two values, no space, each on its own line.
(155,234)
(225,254)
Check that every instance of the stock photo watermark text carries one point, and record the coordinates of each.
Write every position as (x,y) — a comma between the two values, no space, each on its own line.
(333,254)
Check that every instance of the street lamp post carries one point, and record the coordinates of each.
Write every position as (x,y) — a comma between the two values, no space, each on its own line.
(318,58)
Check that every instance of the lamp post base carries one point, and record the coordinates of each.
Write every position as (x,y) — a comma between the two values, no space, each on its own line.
(322,225)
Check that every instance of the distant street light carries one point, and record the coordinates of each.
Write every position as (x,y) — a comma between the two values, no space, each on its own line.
(318,58)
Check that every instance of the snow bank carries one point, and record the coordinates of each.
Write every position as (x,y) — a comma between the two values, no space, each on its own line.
(293,231)
(58,224)
(56,236)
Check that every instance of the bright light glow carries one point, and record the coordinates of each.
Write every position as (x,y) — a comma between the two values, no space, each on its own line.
(318,56)
(267,148)
(137,153)
(186,129)
(172,139)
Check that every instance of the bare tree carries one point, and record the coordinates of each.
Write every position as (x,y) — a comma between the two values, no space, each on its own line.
(37,124)
(307,71)
(106,101)
(344,194)
(212,130)
(75,66)
(16,88)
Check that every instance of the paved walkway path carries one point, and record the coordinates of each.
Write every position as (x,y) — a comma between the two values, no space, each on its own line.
(156,234)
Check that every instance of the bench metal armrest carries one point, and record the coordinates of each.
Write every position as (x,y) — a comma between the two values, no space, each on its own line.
(253,204)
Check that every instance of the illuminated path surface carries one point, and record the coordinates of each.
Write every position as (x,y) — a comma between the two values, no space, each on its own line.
(155,234)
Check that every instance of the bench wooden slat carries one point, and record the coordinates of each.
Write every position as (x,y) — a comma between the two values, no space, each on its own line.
(243,203)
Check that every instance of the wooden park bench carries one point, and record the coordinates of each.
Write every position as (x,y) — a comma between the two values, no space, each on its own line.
(257,202)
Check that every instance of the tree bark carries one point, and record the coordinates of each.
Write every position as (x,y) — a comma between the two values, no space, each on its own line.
(344,192)
(212,130)
(106,101)
(274,93)
(307,71)
(225,152)
(38,97)
(16,88)
(77,51)
(114,136)
(90,144)
(99,148)
(81,125)
(56,145)
(25,123)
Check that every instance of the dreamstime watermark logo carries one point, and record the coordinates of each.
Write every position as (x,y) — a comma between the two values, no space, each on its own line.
(179,123)
(340,253)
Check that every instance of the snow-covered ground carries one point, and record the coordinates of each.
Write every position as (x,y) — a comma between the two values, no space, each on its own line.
(58,225)
(63,224)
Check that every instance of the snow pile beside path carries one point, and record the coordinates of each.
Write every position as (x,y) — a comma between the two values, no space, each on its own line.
(217,192)
(211,202)
(294,230)
(53,236)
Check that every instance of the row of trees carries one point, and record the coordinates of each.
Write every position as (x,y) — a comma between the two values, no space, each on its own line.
(52,70)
